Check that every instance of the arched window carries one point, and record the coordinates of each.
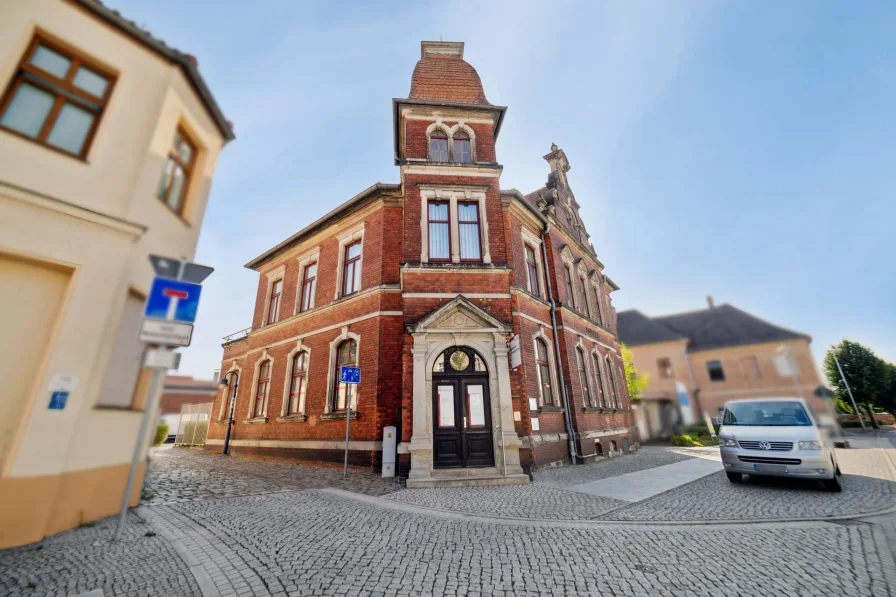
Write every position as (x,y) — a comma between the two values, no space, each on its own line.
(462,153)
(613,447)
(544,371)
(233,383)
(346,354)
(613,399)
(438,146)
(298,384)
(598,448)
(600,399)
(583,377)
(261,388)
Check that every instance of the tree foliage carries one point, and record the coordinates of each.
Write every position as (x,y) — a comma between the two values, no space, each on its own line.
(635,380)
(871,379)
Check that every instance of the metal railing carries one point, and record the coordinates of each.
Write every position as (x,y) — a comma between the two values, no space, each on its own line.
(237,335)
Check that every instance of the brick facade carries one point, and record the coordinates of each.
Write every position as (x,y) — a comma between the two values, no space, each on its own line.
(401,291)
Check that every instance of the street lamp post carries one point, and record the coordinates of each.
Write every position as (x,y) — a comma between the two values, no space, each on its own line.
(236,384)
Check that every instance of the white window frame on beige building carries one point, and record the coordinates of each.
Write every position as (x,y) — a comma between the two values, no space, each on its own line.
(580,344)
(535,241)
(331,373)
(284,407)
(304,260)
(250,418)
(552,366)
(222,412)
(278,273)
(453,195)
(348,237)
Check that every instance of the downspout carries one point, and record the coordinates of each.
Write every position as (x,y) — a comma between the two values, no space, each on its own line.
(567,416)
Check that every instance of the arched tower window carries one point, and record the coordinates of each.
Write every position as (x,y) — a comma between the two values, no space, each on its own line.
(438,146)
(462,150)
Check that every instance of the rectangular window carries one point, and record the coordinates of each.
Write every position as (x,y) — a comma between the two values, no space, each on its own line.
(468,227)
(351,269)
(56,98)
(439,231)
(665,367)
(586,309)
(274,303)
(751,367)
(309,284)
(570,292)
(177,171)
(531,271)
(716,373)
(597,310)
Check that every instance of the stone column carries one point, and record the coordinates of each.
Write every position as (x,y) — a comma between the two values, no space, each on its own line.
(511,440)
(421,438)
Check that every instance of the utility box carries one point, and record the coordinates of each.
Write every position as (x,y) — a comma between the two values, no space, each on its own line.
(389,443)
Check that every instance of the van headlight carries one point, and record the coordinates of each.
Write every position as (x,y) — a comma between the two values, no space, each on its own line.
(810,445)
(727,442)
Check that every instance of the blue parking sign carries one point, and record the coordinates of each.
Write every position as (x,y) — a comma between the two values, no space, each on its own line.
(174,300)
(350,375)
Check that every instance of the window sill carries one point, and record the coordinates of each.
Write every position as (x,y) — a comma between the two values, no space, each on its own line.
(550,409)
(175,213)
(79,157)
(292,419)
(593,409)
(255,420)
(338,416)
(221,422)
(120,409)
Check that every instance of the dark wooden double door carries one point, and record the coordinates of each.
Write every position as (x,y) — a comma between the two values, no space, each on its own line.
(462,422)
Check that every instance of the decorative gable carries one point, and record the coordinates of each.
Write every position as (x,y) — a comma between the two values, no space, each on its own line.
(460,315)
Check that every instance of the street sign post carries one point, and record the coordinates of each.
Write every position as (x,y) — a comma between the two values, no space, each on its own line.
(349,376)
(168,322)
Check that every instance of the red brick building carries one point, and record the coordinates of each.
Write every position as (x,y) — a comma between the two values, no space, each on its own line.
(424,284)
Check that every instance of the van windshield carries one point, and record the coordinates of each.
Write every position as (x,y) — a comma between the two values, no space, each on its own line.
(767,414)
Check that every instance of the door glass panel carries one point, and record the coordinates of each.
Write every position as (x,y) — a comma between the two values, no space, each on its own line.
(446,406)
(476,406)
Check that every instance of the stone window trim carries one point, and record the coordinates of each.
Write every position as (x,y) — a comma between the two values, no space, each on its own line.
(353,234)
(453,195)
(613,376)
(582,275)
(534,241)
(330,411)
(284,406)
(592,388)
(438,125)
(552,366)
(250,414)
(307,258)
(595,278)
(278,273)
(226,390)
(604,399)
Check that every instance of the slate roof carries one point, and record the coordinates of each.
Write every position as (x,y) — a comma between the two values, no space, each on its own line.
(447,78)
(187,62)
(636,329)
(718,327)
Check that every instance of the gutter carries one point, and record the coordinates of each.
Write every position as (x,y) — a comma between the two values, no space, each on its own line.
(567,413)
(366,193)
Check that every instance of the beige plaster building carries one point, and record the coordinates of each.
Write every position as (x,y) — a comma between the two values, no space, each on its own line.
(108,142)
(697,361)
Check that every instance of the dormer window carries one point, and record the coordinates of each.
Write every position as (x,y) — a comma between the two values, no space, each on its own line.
(462,151)
(438,146)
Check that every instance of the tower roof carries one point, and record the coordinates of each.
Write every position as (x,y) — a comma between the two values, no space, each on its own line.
(443,75)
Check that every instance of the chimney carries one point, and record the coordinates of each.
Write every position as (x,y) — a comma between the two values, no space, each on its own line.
(710,302)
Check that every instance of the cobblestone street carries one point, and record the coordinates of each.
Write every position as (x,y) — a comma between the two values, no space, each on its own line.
(212,525)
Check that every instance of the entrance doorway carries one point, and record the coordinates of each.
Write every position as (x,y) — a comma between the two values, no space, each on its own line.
(462,421)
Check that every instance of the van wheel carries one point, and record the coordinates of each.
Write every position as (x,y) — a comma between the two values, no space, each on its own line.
(735,477)
(833,484)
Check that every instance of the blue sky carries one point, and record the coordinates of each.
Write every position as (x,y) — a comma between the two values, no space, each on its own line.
(739,149)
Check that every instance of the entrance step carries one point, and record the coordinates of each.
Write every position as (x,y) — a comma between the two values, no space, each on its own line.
(474,480)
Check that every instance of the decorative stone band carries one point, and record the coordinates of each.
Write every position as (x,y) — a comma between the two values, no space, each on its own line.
(305,444)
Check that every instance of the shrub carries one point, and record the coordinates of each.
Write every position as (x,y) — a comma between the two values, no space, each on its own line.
(685,440)
(161,434)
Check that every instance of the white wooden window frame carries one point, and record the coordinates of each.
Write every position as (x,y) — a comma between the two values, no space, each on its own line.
(303,261)
(284,408)
(534,243)
(332,373)
(438,125)
(250,415)
(278,273)
(234,368)
(552,367)
(453,195)
(353,234)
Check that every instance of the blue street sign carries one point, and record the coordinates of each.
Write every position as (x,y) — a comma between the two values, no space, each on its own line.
(173,300)
(350,375)
(58,400)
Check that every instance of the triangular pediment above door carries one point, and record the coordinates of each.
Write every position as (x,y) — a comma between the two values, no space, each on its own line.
(460,315)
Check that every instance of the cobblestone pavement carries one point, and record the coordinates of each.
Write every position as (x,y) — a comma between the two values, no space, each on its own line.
(522,501)
(83,559)
(185,474)
(646,457)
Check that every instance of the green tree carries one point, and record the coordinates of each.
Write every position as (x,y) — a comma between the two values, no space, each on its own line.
(886,396)
(864,370)
(635,380)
